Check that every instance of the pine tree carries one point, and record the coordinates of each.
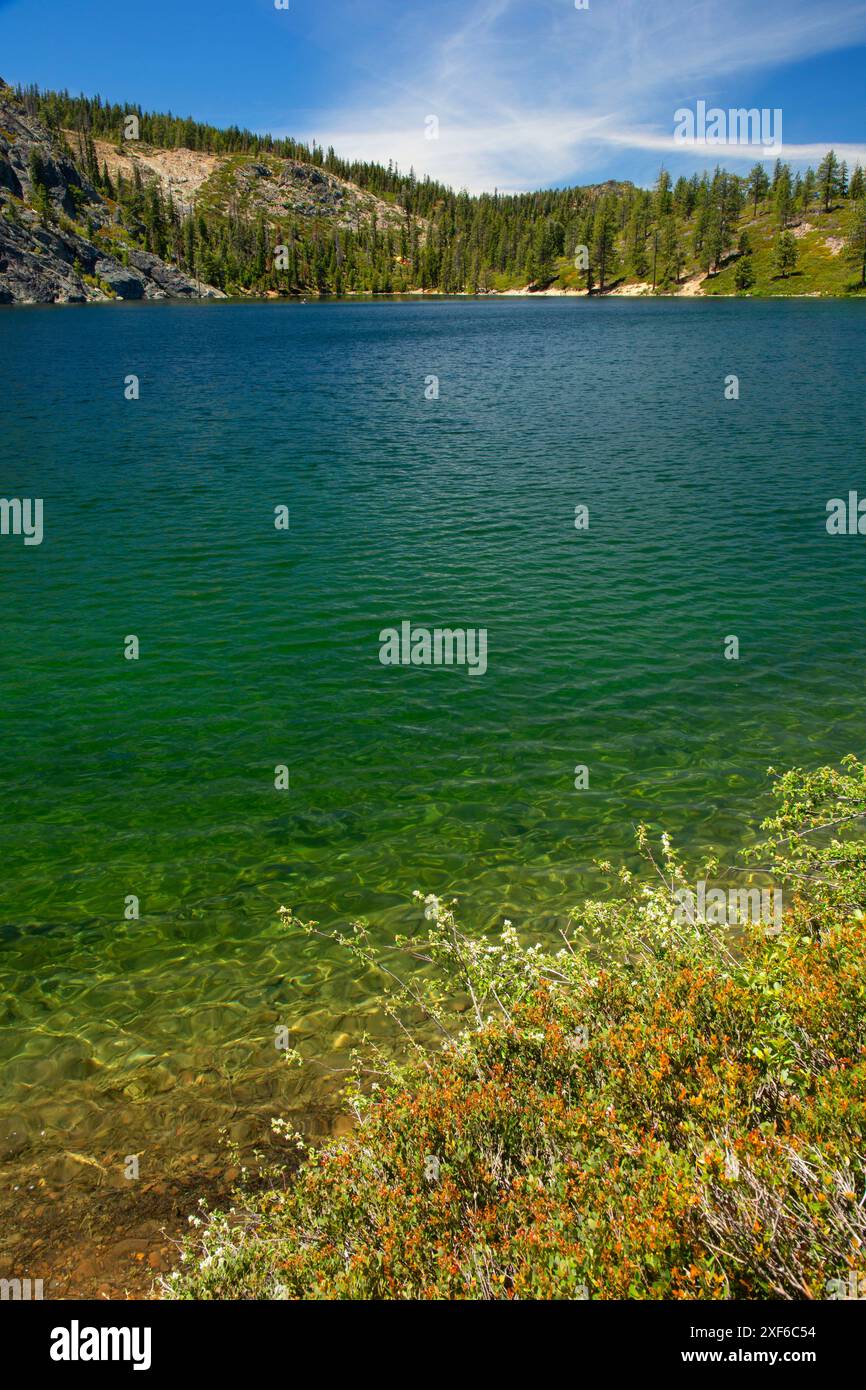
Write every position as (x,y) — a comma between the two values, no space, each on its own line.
(715,241)
(744,275)
(603,249)
(662,199)
(672,252)
(758,185)
(783,198)
(39,185)
(786,254)
(828,178)
(855,238)
(636,243)
(807,190)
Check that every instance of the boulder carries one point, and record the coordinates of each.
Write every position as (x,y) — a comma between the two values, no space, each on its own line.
(125,282)
(169,282)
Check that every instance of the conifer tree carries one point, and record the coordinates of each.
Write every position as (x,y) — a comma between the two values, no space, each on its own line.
(855,239)
(758,185)
(603,249)
(783,198)
(786,254)
(744,275)
(828,178)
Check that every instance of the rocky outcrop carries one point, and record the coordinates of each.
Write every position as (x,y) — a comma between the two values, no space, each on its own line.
(59,243)
(40,264)
(38,267)
(23,139)
(166,281)
(287,188)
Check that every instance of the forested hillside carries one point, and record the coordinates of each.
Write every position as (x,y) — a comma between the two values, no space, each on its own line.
(250,214)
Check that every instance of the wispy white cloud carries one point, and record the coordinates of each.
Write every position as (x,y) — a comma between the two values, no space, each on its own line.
(668,145)
(528,95)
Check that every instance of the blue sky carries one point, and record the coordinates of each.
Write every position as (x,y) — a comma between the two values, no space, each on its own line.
(527,93)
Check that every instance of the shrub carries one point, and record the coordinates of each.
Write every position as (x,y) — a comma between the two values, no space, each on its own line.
(660,1108)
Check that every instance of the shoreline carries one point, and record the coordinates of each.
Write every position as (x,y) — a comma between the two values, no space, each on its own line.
(623,292)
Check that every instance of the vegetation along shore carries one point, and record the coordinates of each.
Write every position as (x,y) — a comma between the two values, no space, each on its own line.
(661,1107)
(102,202)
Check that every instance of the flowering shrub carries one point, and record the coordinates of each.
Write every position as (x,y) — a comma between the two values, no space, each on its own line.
(655,1109)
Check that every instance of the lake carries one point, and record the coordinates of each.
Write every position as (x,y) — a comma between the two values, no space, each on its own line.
(431,454)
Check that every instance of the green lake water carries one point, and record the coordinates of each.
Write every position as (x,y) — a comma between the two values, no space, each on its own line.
(259,648)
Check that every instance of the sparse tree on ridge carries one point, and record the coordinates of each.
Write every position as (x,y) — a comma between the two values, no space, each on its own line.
(758,185)
(828,178)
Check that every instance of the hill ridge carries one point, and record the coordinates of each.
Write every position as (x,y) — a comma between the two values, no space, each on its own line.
(87,213)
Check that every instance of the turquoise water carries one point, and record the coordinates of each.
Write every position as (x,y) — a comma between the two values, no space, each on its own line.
(155,778)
